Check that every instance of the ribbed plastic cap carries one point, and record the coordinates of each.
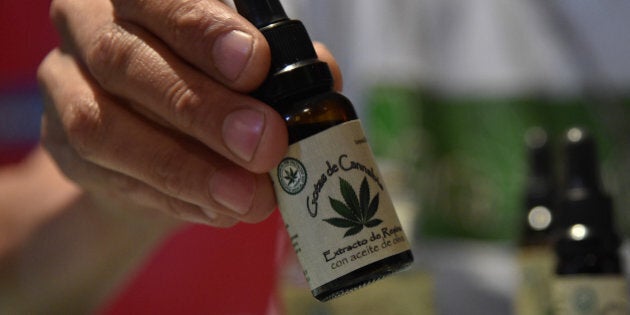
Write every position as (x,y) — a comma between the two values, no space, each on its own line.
(261,12)
(295,68)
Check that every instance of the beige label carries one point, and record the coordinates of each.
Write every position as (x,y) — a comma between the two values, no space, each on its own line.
(536,270)
(335,205)
(590,295)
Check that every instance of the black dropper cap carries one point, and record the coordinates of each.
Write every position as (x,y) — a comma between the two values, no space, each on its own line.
(261,12)
(295,69)
(582,165)
(540,185)
(583,200)
(583,203)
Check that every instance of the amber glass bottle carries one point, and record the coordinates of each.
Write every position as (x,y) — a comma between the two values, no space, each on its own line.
(589,277)
(330,193)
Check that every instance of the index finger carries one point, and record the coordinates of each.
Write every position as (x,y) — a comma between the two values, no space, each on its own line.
(207,33)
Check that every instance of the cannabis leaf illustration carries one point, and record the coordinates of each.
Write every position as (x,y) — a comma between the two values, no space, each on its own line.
(357,211)
(291,176)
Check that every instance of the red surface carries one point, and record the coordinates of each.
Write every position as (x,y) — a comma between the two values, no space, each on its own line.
(26,36)
(202,270)
(13,153)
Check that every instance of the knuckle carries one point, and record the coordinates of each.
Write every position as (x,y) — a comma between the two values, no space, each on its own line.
(191,20)
(82,123)
(109,53)
(181,97)
(185,14)
(187,105)
(168,171)
(68,117)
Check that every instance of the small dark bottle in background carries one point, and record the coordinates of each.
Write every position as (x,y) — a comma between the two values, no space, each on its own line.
(535,252)
(589,278)
(540,191)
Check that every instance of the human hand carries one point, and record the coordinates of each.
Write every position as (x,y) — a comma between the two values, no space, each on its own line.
(59,243)
(146,103)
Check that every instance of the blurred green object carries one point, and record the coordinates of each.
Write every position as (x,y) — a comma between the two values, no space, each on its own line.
(393,124)
(468,154)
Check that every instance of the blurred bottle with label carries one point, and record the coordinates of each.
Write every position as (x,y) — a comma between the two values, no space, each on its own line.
(535,254)
(589,276)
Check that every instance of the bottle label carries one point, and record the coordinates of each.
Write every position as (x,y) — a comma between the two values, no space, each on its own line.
(591,295)
(335,205)
(534,290)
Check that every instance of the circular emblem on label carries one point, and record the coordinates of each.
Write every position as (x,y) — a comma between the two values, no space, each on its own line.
(585,300)
(291,176)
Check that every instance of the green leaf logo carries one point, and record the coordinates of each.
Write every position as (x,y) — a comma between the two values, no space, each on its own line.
(292,176)
(356,211)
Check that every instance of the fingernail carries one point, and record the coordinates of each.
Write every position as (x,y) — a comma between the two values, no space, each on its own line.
(242,130)
(231,52)
(234,189)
